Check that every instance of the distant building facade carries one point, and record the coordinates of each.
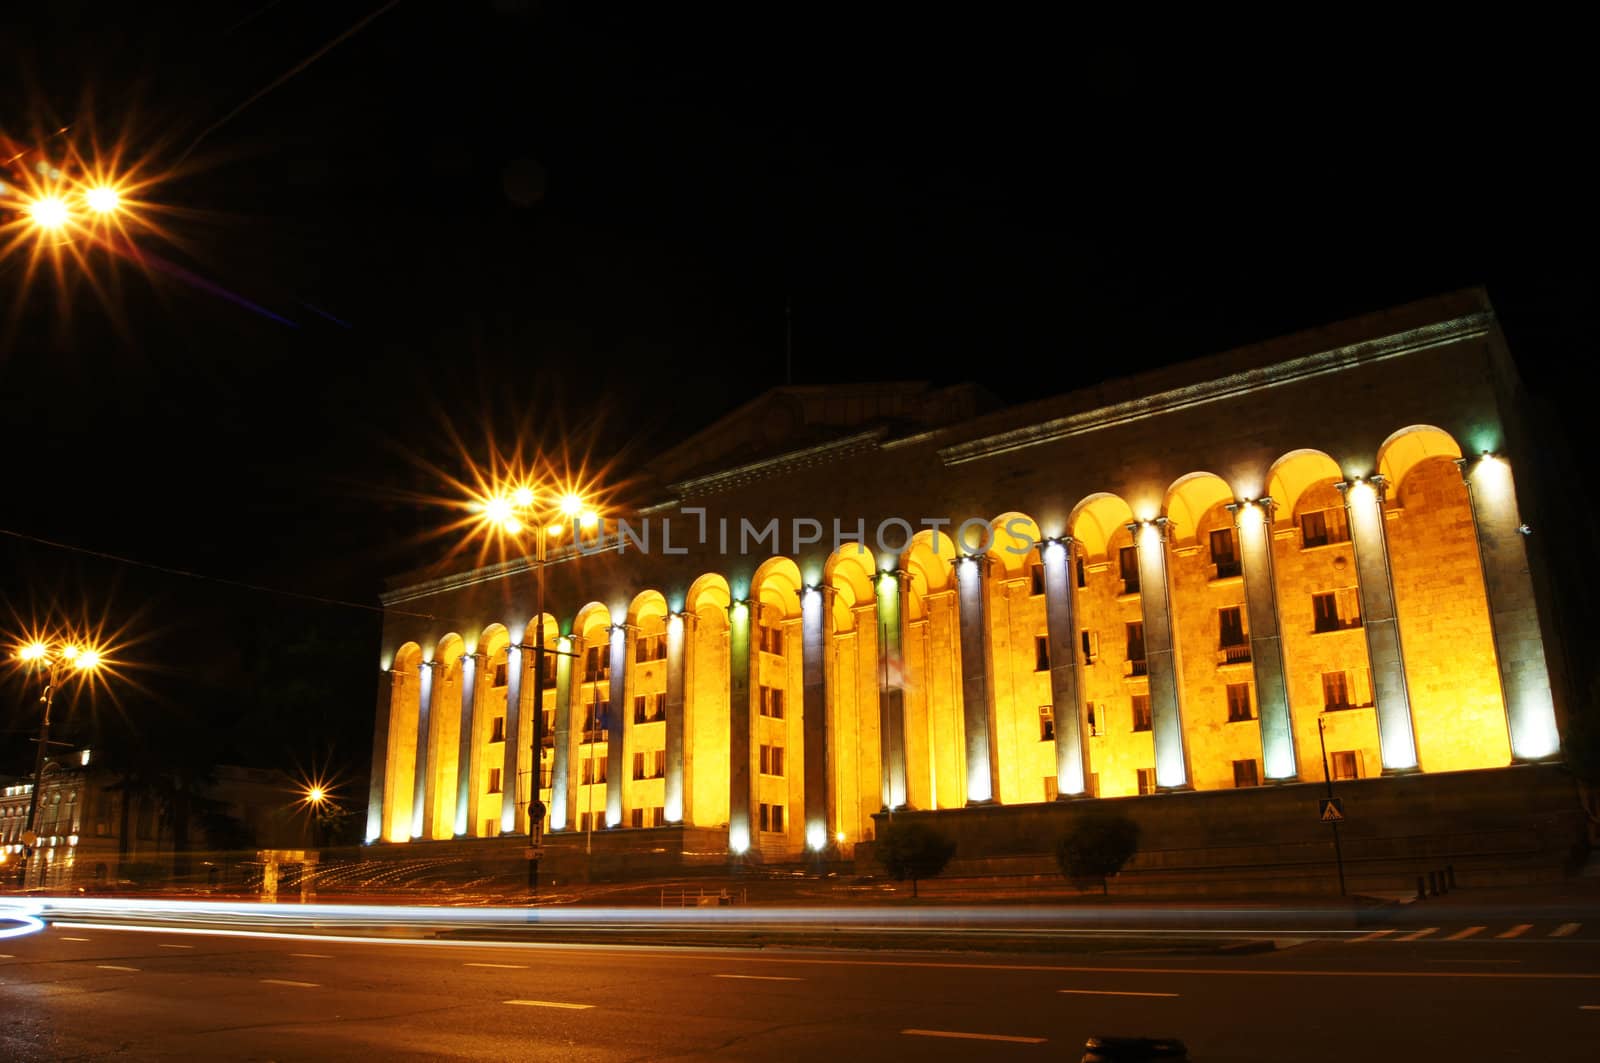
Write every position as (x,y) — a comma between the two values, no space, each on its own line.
(1195,578)
(88,836)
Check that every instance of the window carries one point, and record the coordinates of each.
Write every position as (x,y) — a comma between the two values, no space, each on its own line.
(490,828)
(500,674)
(549,671)
(1094,784)
(1319,527)
(1094,719)
(494,780)
(594,770)
(1346,764)
(1239,702)
(646,817)
(1041,653)
(597,664)
(772,760)
(1083,576)
(1335,610)
(1047,723)
(772,702)
(547,734)
(1141,712)
(1147,780)
(1128,565)
(1136,665)
(1335,691)
(1230,627)
(1225,553)
(771,638)
(650,764)
(1036,580)
(1052,789)
(594,723)
(1090,641)
(497,729)
(650,648)
(587,821)
(648,708)
(772,819)
(1245,773)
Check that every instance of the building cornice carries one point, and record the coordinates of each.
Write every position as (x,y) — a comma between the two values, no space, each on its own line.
(1231,386)
(778,464)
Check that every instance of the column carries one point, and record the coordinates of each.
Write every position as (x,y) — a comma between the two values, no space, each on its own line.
(814,628)
(741,722)
(678,635)
(977,701)
(1060,611)
(1513,616)
(563,795)
(618,725)
(377,793)
(1397,744)
(421,821)
(466,767)
(1252,521)
(517,663)
(891,695)
(1161,654)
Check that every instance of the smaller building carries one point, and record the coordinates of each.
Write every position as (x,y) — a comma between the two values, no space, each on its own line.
(97,829)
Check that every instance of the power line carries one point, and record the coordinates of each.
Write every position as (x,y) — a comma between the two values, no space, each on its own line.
(222,580)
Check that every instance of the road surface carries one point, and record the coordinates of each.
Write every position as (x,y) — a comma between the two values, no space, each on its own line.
(1469,992)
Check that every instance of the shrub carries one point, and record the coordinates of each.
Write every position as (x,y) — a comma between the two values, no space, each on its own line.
(1096,847)
(911,850)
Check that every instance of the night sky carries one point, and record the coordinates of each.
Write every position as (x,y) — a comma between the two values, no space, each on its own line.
(485,222)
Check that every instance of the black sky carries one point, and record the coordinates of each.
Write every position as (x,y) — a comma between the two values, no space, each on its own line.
(577,221)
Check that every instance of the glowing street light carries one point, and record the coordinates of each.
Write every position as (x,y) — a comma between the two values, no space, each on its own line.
(67,657)
(103,199)
(49,213)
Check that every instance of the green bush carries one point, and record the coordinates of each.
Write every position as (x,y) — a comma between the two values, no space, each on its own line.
(1096,847)
(908,849)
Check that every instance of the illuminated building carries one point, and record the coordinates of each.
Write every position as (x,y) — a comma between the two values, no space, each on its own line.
(1222,555)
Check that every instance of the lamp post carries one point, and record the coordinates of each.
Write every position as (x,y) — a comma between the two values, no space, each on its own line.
(511,511)
(1338,851)
(53,661)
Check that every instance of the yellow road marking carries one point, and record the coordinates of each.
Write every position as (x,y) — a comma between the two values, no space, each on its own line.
(1415,934)
(1374,936)
(1565,930)
(761,977)
(1516,931)
(1468,932)
(975,1036)
(1111,993)
(286,981)
(550,1004)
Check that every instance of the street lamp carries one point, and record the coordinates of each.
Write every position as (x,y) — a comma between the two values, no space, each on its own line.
(511,511)
(57,663)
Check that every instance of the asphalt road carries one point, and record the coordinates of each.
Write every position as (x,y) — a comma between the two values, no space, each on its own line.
(94,993)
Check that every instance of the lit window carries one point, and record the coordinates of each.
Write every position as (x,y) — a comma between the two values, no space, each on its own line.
(1321,527)
(1141,712)
(1147,780)
(1090,641)
(1346,764)
(1245,773)
(1047,723)
(1239,702)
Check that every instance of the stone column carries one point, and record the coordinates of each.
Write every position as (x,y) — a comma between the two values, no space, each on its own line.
(1396,741)
(563,784)
(467,755)
(1161,654)
(977,699)
(1253,523)
(426,759)
(619,725)
(1061,619)
(815,629)
(678,635)
(1513,617)
(891,693)
(517,658)
(377,793)
(741,722)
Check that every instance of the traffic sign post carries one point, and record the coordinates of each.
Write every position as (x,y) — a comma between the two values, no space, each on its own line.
(1331,809)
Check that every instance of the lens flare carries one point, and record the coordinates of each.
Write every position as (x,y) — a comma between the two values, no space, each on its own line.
(49,213)
(103,199)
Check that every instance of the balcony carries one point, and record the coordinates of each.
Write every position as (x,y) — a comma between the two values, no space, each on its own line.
(1236,654)
(1135,668)
(1229,569)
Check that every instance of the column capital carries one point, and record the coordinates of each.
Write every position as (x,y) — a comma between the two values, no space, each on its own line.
(1162,524)
(974,564)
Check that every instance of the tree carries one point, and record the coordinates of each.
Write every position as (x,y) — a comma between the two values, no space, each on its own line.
(908,849)
(1097,846)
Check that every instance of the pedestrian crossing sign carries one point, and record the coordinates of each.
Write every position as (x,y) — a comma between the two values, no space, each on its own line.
(1330,810)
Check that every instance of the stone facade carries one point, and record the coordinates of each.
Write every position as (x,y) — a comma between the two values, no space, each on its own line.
(1194,579)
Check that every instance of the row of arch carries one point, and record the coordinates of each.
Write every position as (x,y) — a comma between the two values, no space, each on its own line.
(1203,643)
